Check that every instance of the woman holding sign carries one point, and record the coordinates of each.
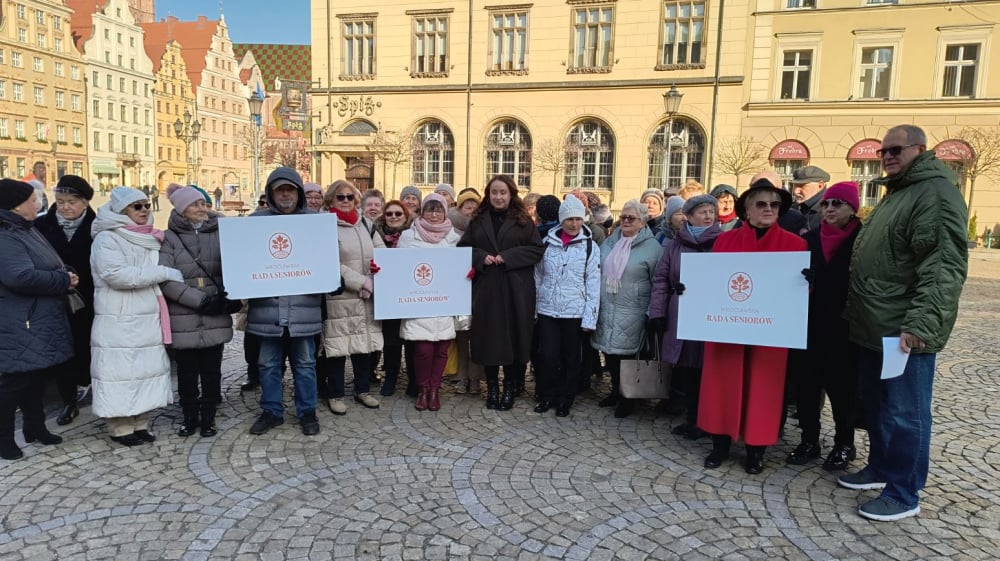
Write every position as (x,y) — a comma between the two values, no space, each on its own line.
(505,247)
(742,387)
(431,336)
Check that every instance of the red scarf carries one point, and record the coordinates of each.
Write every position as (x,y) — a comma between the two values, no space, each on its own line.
(832,237)
(349,217)
(727,218)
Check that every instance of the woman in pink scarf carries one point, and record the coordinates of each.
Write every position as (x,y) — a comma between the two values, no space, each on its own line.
(129,364)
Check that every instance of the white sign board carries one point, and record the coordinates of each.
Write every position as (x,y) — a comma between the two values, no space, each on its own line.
(423,282)
(280,255)
(745,298)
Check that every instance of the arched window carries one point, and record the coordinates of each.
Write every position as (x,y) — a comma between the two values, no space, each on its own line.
(433,154)
(590,156)
(675,160)
(508,152)
(360,127)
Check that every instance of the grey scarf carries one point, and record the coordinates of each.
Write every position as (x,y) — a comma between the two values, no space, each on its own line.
(70,226)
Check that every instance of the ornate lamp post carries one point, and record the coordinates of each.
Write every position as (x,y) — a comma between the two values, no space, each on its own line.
(256,103)
(671,105)
(187,132)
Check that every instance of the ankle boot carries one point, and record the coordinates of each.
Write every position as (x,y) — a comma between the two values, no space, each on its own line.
(421,404)
(755,459)
(720,451)
(434,399)
(507,399)
(492,394)
(208,420)
(9,450)
(42,435)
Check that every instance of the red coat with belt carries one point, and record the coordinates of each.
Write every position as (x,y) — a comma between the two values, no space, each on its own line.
(743,386)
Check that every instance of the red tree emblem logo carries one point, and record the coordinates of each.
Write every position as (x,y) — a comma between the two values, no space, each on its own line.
(740,287)
(280,246)
(423,274)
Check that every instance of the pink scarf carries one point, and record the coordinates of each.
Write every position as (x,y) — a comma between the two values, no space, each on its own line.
(149,230)
(431,233)
(614,265)
(832,237)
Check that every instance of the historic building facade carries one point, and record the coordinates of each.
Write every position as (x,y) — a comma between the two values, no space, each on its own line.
(119,93)
(42,91)
(175,103)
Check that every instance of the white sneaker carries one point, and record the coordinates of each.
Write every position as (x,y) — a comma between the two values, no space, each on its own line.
(337,406)
(367,400)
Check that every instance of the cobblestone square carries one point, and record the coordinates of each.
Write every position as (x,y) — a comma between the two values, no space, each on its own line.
(472,483)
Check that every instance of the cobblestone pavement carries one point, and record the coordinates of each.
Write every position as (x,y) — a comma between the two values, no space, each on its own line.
(470,483)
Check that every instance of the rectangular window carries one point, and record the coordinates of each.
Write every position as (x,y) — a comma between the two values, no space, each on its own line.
(40,40)
(124,143)
(121,85)
(57,45)
(796,68)
(77,135)
(41,130)
(40,17)
(97,109)
(358,58)
(4,163)
(60,100)
(430,46)
(800,4)
(15,59)
(148,149)
(3,89)
(61,133)
(108,81)
(509,42)
(135,115)
(74,102)
(22,35)
(97,140)
(123,113)
(36,64)
(74,72)
(39,95)
(21,12)
(111,142)
(56,23)
(111,111)
(96,79)
(4,130)
(135,144)
(120,39)
(21,167)
(592,37)
(864,172)
(135,87)
(1,56)
(78,168)
(18,128)
(18,92)
(147,118)
(683,32)
(876,72)
(960,63)
(58,69)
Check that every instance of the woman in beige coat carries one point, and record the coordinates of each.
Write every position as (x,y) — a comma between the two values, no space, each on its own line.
(349,328)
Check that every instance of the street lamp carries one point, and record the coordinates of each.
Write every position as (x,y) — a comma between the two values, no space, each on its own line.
(187,132)
(256,103)
(671,105)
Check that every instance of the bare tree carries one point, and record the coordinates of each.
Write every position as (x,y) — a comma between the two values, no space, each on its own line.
(985,158)
(739,155)
(550,156)
(391,148)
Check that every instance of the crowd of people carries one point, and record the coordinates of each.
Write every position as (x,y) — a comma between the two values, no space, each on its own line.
(105,299)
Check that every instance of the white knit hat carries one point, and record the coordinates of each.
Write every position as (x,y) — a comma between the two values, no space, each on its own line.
(571,207)
(122,197)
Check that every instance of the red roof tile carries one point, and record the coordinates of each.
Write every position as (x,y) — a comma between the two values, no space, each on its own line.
(81,23)
(194,37)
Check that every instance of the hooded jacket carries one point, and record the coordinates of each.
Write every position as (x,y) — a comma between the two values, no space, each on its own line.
(302,314)
(911,259)
(567,281)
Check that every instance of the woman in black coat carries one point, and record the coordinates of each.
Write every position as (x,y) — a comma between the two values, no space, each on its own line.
(829,362)
(34,328)
(505,247)
(67,229)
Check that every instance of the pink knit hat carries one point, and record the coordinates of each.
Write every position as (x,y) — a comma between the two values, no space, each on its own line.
(846,191)
(312,188)
(182,197)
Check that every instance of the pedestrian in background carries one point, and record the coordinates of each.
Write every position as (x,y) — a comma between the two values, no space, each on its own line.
(411,197)
(314,196)
(726,195)
(808,185)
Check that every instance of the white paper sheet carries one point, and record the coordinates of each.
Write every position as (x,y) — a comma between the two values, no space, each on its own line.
(893,358)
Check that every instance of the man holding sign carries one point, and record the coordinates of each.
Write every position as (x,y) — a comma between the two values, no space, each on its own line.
(281,321)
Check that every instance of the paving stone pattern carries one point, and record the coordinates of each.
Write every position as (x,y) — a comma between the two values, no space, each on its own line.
(471,483)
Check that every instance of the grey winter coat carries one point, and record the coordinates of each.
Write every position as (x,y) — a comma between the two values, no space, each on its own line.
(302,314)
(622,318)
(184,248)
(34,325)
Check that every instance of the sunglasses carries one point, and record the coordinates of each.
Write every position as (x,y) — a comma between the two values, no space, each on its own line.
(261,203)
(763,205)
(141,206)
(835,203)
(394,214)
(893,150)
(626,218)
(343,197)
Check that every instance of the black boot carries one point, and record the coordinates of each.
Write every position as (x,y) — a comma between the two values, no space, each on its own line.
(208,420)
(755,459)
(720,450)
(41,434)
(507,398)
(492,392)
(190,424)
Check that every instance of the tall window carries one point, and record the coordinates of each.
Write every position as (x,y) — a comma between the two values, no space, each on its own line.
(77,135)
(18,92)
(876,72)
(61,133)
(960,70)
(4,130)
(796,68)
(19,128)
(675,157)
(590,156)
(3,89)
(593,35)
(508,152)
(60,100)
(430,46)
(358,57)
(41,131)
(97,140)
(39,95)
(785,168)
(433,154)
(683,32)
(508,42)
(863,172)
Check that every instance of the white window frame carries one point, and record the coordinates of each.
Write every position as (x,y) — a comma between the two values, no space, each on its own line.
(597,67)
(41,130)
(363,65)
(874,38)
(508,44)
(797,68)
(3,89)
(440,40)
(77,135)
(870,193)
(19,128)
(39,95)
(811,41)
(966,34)
(74,102)
(37,65)
(15,60)
(60,100)
(4,128)
(61,134)
(18,92)
(798,4)
(690,21)
(58,69)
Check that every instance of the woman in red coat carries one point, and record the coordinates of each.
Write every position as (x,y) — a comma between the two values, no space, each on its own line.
(742,388)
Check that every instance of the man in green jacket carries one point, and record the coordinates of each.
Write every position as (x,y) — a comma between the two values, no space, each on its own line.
(907,271)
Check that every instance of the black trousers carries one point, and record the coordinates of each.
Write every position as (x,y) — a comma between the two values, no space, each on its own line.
(24,390)
(560,352)
(837,374)
(687,381)
(199,367)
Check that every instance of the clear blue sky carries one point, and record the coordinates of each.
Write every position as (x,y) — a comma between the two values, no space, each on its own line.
(249,21)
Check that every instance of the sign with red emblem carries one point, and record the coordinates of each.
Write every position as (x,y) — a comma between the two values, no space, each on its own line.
(744,298)
(423,282)
(279,255)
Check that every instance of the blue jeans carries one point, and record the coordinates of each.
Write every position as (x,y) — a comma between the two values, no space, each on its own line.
(898,413)
(302,355)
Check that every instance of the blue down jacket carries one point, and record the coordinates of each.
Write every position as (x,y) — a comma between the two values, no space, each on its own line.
(567,282)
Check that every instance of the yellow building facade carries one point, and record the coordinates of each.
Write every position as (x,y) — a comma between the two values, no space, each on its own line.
(173,98)
(558,95)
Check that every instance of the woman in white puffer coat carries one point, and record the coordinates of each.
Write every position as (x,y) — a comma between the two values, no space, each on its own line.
(431,336)
(129,364)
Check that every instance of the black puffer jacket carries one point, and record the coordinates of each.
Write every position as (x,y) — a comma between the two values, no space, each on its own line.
(34,325)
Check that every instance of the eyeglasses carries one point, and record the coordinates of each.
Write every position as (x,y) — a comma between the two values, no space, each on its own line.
(835,203)
(141,206)
(893,150)
(626,218)
(261,203)
(433,210)
(343,197)
(394,214)
(764,205)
